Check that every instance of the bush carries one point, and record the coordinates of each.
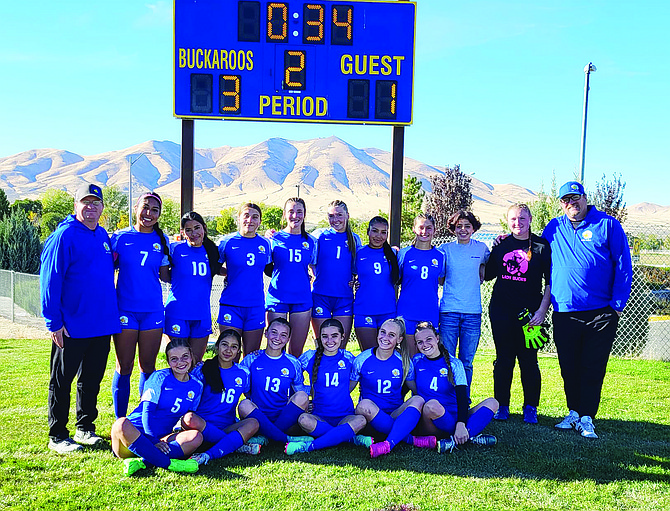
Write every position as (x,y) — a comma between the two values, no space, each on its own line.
(20,246)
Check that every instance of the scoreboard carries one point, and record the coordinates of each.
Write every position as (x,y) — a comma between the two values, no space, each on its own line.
(294,61)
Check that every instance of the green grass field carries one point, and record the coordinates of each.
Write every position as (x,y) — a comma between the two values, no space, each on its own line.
(532,467)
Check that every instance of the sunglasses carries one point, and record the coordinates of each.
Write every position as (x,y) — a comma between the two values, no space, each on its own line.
(571,198)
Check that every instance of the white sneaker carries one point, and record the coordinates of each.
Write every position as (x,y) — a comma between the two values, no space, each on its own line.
(249,449)
(87,437)
(569,421)
(65,446)
(201,457)
(585,427)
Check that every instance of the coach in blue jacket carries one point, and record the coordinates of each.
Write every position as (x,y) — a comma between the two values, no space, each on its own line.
(591,275)
(80,309)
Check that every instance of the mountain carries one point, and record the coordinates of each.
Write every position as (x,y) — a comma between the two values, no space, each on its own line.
(271,171)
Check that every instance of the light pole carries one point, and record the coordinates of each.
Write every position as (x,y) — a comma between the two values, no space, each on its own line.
(130,183)
(303,180)
(587,71)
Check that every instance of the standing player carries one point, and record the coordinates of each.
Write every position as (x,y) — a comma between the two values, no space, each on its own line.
(332,420)
(224,383)
(245,255)
(440,380)
(332,295)
(147,431)
(461,304)
(142,257)
(195,261)
(289,294)
(277,393)
(421,274)
(382,372)
(378,273)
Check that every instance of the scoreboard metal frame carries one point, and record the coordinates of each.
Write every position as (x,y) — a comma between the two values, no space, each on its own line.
(349,62)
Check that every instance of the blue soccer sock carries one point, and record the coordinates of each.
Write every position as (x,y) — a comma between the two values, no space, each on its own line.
(212,434)
(382,422)
(403,425)
(149,452)
(267,428)
(176,451)
(322,427)
(143,379)
(479,420)
(288,416)
(446,423)
(336,436)
(120,393)
(229,443)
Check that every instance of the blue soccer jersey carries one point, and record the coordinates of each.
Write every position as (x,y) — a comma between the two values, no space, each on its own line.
(191,283)
(380,380)
(420,272)
(139,257)
(273,380)
(332,397)
(172,399)
(219,408)
(333,263)
(376,294)
(432,379)
(291,254)
(245,260)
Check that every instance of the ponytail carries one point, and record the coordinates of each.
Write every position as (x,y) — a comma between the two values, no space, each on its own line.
(427,325)
(210,368)
(403,348)
(389,254)
(210,247)
(165,248)
(351,241)
(320,349)
(298,200)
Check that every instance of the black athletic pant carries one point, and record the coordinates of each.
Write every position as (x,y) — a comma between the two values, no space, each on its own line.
(86,359)
(510,346)
(584,341)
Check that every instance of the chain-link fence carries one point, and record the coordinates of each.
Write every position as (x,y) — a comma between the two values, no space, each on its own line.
(644,328)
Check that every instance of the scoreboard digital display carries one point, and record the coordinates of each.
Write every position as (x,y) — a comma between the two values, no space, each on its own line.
(294,61)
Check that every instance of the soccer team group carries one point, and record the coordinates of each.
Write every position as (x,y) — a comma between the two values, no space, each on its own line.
(415,368)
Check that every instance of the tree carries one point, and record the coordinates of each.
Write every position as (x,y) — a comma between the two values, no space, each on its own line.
(58,202)
(450,192)
(272,216)
(170,217)
(28,206)
(4,204)
(48,224)
(20,245)
(545,207)
(412,202)
(227,222)
(608,197)
(116,206)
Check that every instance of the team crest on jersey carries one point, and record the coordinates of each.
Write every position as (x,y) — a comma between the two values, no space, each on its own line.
(305,245)
(227,318)
(587,235)
(434,261)
(284,371)
(368,320)
(124,320)
(341,364)
(157,247)
(190,395)
(261,249)
(319,310)
(238,381)
(395,372)
(105,245)
(176,329)
(443,371)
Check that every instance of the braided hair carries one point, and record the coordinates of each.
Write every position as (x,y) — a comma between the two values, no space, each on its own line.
(210,368)
(351,242)
(210,247)
(389,254)
(427,325)
(320,349)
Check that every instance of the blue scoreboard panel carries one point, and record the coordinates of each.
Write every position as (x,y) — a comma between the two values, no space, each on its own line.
(337,62)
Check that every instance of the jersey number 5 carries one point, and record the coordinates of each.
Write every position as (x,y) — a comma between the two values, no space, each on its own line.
(175,406)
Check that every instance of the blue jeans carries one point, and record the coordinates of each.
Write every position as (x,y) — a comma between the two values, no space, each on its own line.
(467,328)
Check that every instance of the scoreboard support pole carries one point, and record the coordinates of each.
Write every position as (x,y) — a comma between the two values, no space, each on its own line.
(187,159)
(395,214)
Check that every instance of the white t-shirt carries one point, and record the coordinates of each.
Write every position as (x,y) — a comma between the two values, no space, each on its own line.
(461,291)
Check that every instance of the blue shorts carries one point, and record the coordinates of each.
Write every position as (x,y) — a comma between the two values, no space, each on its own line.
(243,318)
(141,320)
(331,306)
(274,305)
(410,326)
(371,321)
(188,328)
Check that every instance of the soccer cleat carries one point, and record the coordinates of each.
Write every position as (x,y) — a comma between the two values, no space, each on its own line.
(300,438)
(426,442)
(380,448)
(189,465)
(65,446)
(569,421)
(485,440)
(295,447)
(202,458)
(249,449)
(259,439)
(365,441)
(87,437)
(132,465)
(502,414)
(584,427)
(530,414)
(446,445)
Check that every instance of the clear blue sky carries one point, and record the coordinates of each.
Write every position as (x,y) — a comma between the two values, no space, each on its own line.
(498,87)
